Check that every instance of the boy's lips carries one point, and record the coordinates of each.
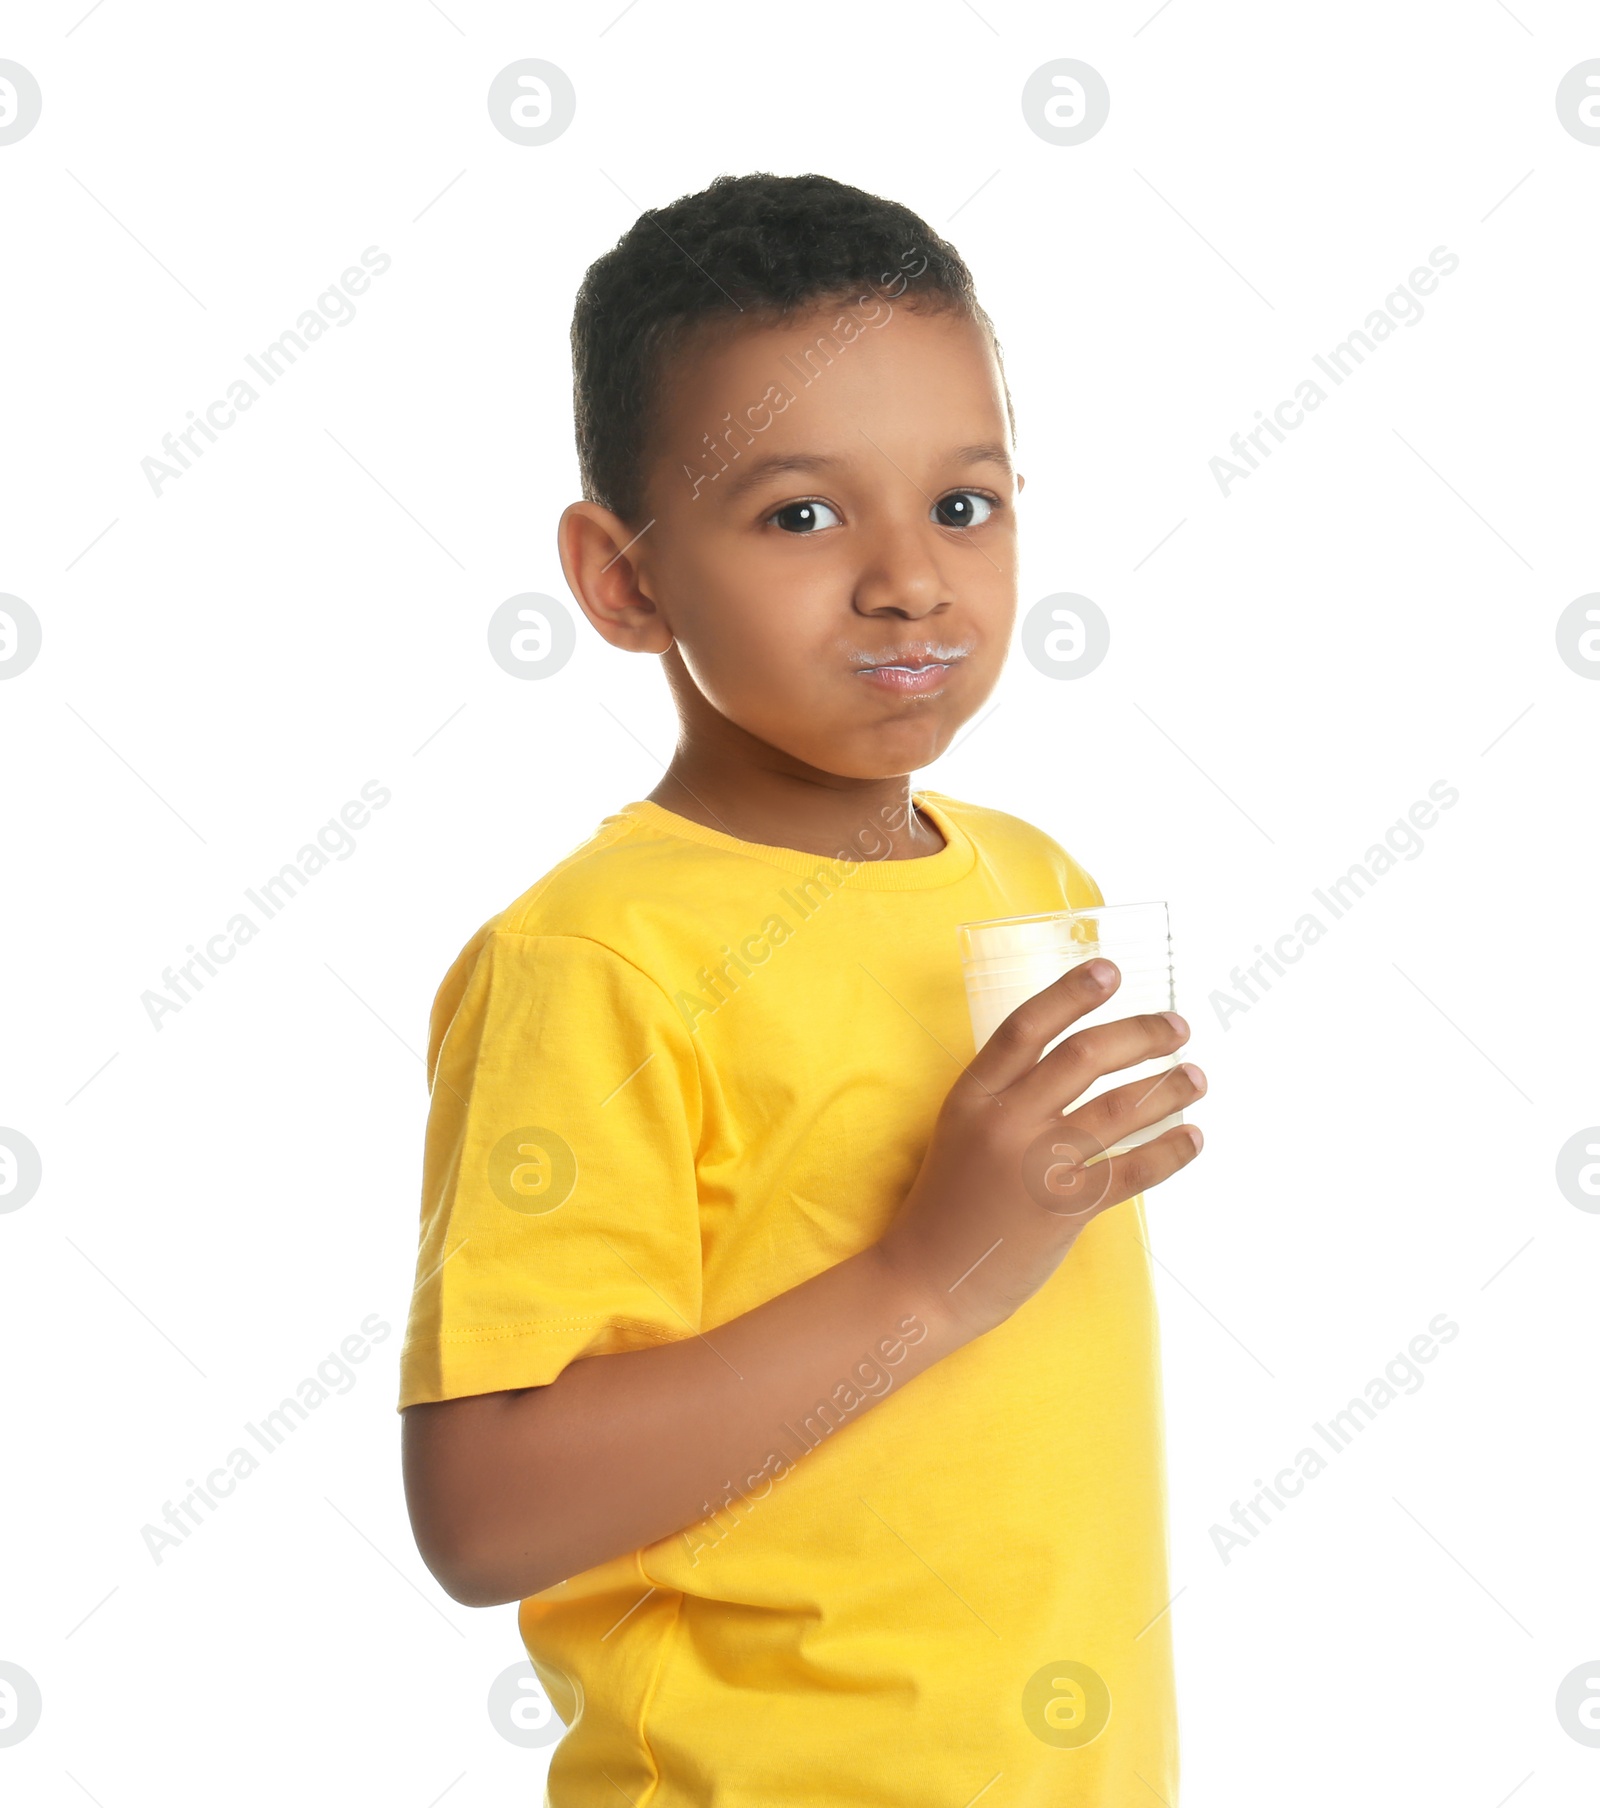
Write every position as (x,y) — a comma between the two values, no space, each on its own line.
(913,671)
(914,677)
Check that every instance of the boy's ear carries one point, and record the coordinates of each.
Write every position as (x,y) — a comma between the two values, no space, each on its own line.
(595,550)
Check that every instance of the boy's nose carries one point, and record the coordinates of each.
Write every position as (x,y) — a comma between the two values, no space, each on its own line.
(903,578)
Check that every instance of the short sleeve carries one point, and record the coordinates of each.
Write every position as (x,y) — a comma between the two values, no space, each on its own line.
(1078,887)
(560,1212)
(1081,884)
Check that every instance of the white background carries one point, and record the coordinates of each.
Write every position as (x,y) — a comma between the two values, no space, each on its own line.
(1374,610)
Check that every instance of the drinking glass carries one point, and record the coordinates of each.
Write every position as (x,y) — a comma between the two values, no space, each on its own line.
(1006,960)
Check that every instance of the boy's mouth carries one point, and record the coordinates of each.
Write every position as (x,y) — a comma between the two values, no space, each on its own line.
(927,676)
(912,670)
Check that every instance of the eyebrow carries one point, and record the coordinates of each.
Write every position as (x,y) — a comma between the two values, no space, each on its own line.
(989,452)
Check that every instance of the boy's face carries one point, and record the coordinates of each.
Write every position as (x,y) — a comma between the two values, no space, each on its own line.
(853,608)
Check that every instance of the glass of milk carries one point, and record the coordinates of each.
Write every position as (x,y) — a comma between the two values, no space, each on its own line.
(1007,960)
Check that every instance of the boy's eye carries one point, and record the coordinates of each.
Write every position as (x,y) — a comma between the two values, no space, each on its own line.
(962,508)
(804,517)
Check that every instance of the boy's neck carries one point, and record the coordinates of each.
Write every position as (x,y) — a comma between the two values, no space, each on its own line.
(814,814)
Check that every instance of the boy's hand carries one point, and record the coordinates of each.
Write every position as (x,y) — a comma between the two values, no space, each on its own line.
(1003,1190)
(510,1492)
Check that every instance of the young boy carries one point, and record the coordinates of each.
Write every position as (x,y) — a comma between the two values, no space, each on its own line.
(790,1368)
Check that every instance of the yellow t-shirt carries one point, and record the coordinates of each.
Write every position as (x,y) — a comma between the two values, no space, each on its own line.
(679,1076)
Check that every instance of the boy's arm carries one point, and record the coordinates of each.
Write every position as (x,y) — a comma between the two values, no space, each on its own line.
(510,1493)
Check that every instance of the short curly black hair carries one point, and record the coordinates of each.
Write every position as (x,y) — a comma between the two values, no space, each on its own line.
(762,245)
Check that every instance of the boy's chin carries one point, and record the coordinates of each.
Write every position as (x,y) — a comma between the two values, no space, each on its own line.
(861,751)
(867,757)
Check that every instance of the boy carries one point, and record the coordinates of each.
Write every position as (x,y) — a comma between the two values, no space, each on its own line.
(798,1380)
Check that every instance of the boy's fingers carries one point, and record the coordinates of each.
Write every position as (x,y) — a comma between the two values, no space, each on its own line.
(1015,1047)
(1062,1174)
(1140,1103)
(1073,1066)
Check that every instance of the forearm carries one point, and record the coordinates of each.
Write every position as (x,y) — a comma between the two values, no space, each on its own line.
(513,1492)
